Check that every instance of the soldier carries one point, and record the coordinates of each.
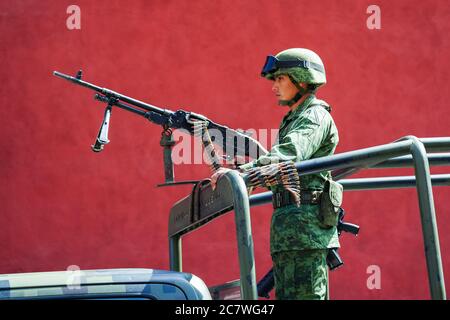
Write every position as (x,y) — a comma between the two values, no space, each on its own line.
(299,236)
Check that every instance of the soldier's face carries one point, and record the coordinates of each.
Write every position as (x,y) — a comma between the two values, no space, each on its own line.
(283,88)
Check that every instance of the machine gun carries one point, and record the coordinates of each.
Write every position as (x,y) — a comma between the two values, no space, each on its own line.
(234,143)
(266,284)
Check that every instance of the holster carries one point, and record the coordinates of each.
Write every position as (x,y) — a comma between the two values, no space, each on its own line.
(330,203)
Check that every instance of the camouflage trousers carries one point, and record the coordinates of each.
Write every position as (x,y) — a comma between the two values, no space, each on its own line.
(301,275)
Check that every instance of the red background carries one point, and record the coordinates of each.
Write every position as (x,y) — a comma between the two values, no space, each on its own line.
(64,205)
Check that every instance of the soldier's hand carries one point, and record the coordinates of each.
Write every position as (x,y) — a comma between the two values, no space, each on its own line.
(216,176)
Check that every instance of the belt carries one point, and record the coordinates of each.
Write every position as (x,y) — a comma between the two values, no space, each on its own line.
(285,198)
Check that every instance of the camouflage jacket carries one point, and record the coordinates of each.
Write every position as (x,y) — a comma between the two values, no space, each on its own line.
(306,133)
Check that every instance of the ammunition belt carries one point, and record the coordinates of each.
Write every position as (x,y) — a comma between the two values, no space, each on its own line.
(285,198)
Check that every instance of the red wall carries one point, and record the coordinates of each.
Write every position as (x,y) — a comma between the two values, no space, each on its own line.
(64,205)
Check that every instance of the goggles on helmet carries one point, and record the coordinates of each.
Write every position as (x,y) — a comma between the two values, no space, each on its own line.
(273,64)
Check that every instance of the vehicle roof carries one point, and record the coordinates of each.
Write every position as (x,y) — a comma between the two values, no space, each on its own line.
(69,281)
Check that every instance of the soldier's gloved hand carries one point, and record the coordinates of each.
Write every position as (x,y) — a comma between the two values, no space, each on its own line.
(216,176)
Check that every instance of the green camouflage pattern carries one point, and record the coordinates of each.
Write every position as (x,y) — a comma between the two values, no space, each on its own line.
(306,133)
(299,228)
(301,275)
(300,74)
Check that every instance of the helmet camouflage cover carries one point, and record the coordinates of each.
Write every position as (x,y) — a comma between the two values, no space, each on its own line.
(303,65)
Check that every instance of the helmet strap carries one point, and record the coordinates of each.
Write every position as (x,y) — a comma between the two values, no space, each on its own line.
(301,92)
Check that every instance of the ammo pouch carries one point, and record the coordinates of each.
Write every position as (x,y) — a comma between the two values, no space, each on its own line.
(330,202)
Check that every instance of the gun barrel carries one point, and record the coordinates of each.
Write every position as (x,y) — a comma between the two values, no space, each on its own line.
(111,93)
(61,75)
(78,81)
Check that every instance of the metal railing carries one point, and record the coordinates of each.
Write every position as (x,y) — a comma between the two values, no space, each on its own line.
(200,208)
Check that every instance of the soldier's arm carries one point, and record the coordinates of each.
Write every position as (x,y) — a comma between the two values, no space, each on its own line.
(303,140)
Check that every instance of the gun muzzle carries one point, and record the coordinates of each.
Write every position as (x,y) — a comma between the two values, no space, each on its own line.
(102,137)
(67,77)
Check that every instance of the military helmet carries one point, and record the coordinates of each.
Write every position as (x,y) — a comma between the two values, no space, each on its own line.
(301,65)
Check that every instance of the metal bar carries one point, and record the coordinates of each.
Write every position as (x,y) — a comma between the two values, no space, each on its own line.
(439,144)
(244,236)
(434,159)
(436,144)
(428,218)
(260,199)
(391,182)
(175,253)
(360,158)
(365,184)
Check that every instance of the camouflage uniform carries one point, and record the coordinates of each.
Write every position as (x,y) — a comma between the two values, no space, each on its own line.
(298,243)
(301,275)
